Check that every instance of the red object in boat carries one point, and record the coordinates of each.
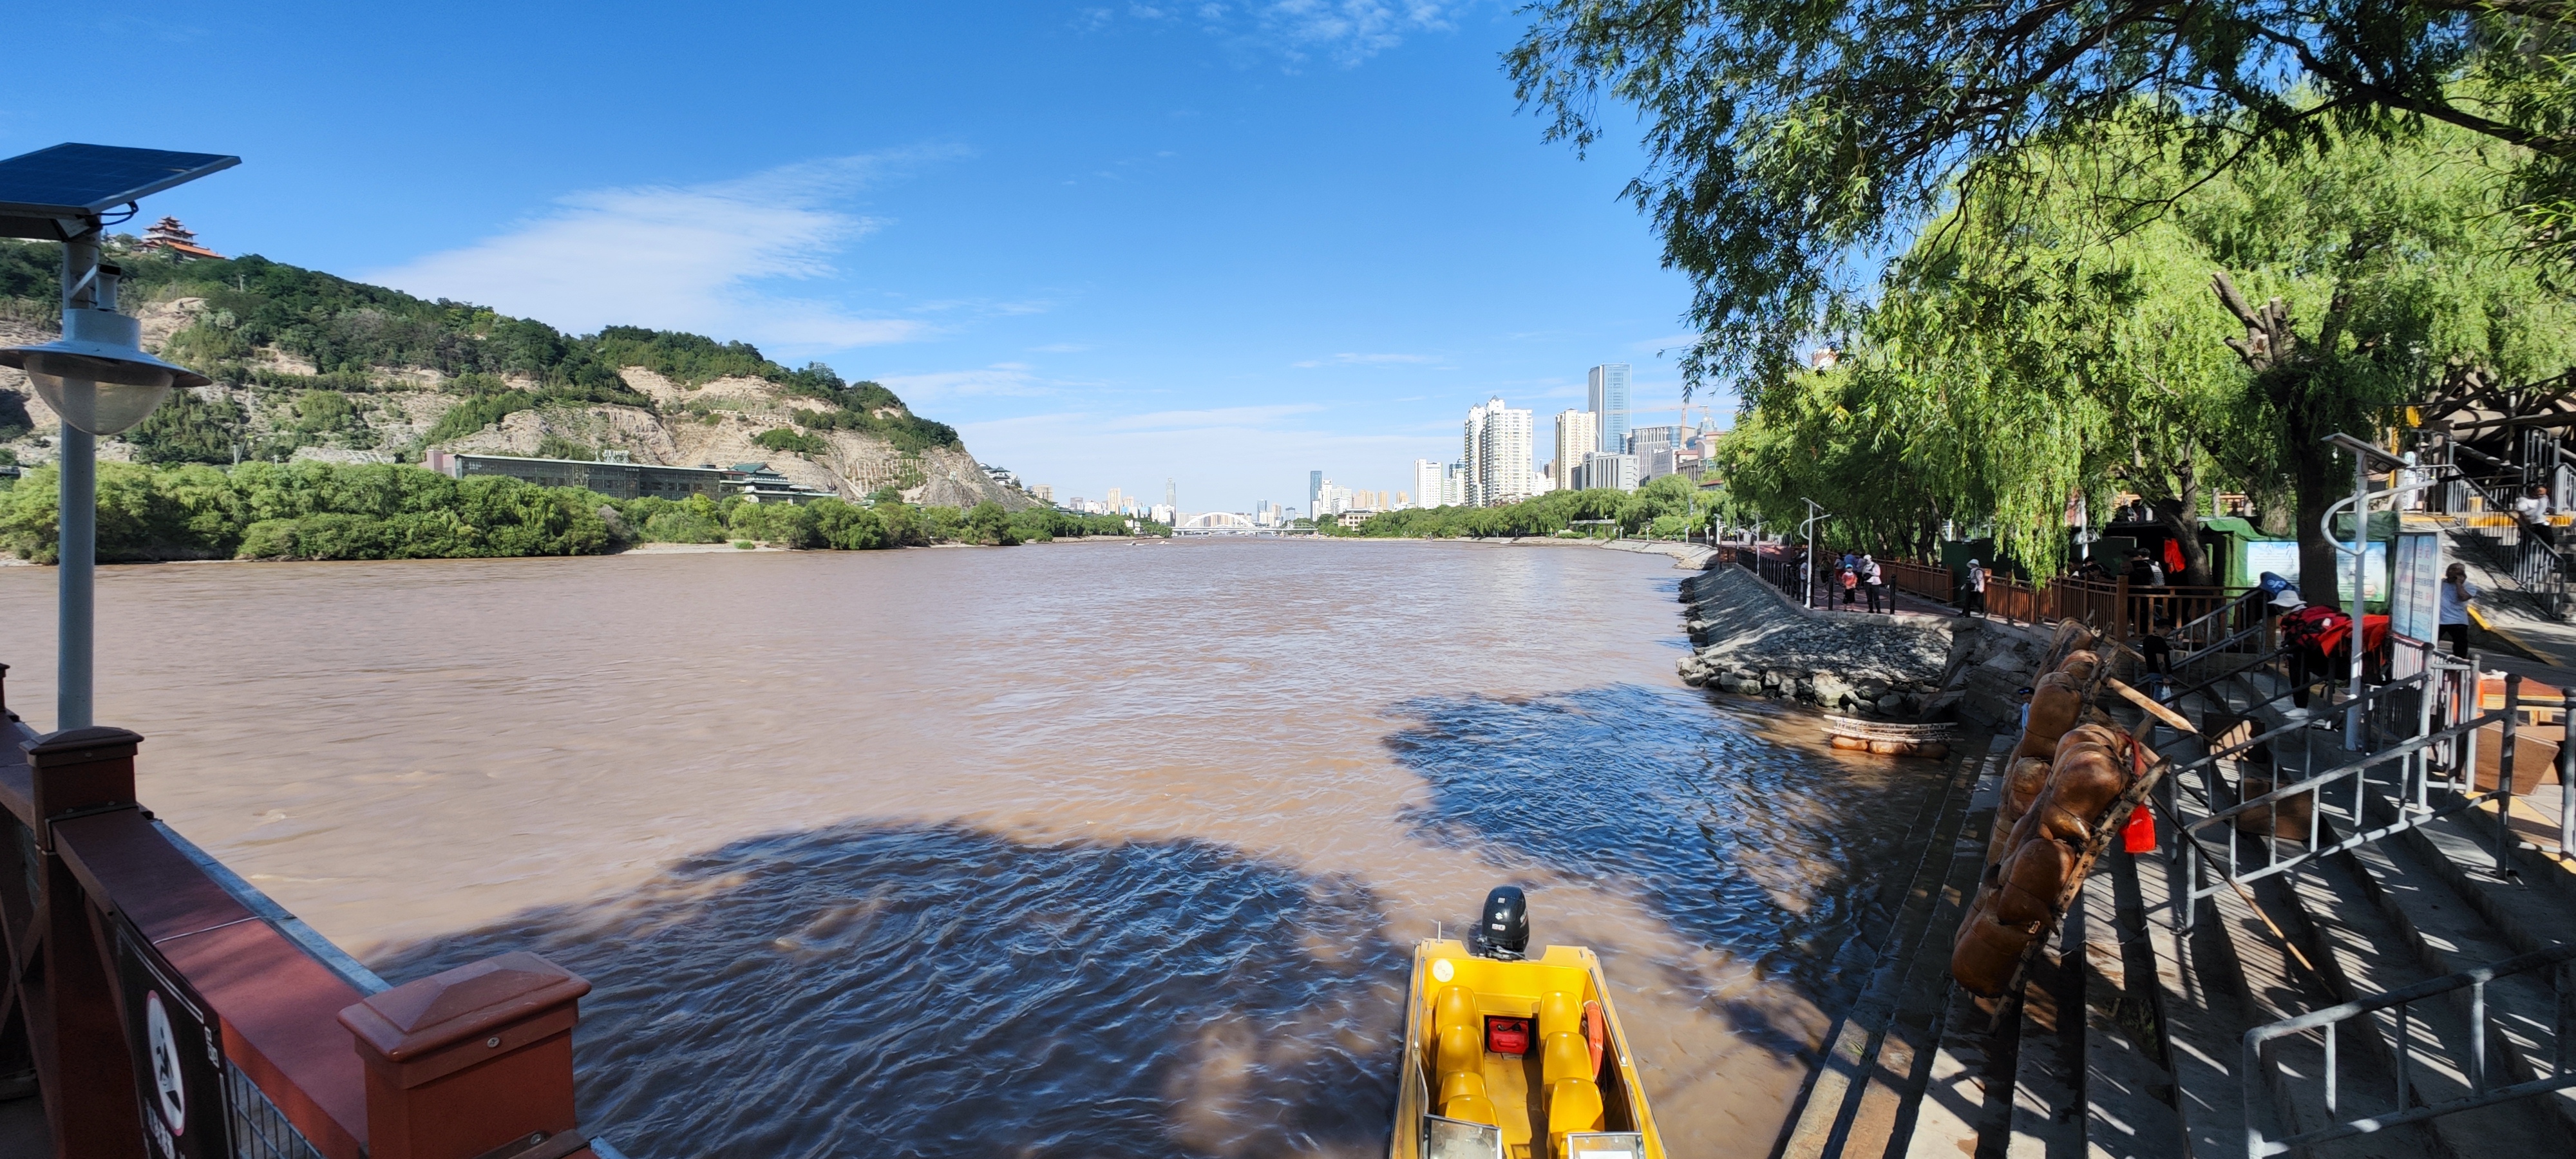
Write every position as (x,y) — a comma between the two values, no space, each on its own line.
(1507,1035)
(2139,835)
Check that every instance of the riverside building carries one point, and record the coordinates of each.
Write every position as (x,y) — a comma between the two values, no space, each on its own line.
(1610,405)
(1497,445)
(615,478)
(1578,433)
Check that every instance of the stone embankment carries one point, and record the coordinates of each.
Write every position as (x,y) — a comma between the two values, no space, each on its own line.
(1752,641)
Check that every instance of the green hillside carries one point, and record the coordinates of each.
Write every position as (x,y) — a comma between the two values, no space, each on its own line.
(354,334)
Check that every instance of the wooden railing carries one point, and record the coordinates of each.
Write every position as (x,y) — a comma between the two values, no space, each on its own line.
(256,1037)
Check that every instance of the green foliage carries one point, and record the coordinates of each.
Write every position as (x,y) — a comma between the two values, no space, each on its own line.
(14,419)
(784,439)
(559,447)
(1670,496)
(308,510)
(2050,341)
(1790,142)
(187,429)
(478,412)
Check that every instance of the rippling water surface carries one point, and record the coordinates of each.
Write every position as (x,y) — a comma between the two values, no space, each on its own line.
(1061,850)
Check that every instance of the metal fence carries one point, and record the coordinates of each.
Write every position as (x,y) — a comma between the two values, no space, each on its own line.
(2404,1105)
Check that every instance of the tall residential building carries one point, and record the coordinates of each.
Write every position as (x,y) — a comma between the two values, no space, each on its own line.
(1117,503)
(1578,433)
(1045,492)
(1171,498)
(1453,485)
(1610,403)
(1497,445)
(1426,481)
(1314,491)
(1473,455)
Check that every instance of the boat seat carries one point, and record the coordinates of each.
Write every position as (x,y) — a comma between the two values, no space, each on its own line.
(1559,1012)
(1461,1083)
(1572,1105)
(1459,1033)
(1566,1056)
(1472,1109)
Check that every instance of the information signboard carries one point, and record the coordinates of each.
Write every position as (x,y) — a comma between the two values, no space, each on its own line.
(2278,556)
(2417,610)
(2374,575)
(178,1056)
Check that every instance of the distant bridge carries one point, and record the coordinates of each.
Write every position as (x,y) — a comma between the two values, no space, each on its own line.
(1223,523)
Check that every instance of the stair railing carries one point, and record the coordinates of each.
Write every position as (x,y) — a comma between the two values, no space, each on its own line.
(2434,759)
(2560,961)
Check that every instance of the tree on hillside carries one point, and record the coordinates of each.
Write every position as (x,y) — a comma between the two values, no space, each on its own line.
(1791,141)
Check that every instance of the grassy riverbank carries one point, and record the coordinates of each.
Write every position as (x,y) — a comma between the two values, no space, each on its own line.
(311,510)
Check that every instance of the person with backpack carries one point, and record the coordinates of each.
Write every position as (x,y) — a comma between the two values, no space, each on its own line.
(1972,596)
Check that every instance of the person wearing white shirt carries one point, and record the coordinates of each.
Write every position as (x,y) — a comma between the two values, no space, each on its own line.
(2453,627)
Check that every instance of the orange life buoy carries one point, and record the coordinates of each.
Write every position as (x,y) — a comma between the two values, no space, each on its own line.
(1596,1033)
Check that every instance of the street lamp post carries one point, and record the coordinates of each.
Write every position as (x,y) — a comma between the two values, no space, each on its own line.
(1807,566)
(96,377)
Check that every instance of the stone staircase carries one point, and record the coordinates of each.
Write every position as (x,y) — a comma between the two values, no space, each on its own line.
(2128,1038)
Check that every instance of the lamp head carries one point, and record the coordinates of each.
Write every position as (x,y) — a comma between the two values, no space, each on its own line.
(96,376)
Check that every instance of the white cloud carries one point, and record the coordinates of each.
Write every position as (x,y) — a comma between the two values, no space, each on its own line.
(1345,32)
(703,258)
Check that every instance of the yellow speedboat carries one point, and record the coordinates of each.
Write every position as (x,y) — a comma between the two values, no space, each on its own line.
(1508,1056)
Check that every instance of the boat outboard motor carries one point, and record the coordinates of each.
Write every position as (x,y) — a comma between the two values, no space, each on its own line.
(1502,928)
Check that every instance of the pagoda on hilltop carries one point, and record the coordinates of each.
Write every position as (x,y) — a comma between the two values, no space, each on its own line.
(179,240)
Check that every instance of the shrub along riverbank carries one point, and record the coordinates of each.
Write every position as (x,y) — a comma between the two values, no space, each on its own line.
(1662,509)
(310,510)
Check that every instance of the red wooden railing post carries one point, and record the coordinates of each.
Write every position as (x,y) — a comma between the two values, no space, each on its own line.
(475,1061)
(73,1026)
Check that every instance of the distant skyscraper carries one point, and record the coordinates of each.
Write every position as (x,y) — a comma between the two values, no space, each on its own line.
(1116,501)
(1170,498)
(1497,445)
(1426,481)
(1045,492)
(1314,490)
(1578,433)
(1610,402)
(1453,485)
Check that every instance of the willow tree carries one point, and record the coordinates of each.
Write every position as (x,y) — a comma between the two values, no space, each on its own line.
(1792,141)
(2091,333)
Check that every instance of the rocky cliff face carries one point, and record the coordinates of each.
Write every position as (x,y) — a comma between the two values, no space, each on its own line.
(715,422)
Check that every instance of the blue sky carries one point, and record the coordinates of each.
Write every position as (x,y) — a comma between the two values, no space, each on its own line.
(1223,243)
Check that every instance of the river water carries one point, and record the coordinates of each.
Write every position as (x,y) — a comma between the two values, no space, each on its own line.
(1076,849)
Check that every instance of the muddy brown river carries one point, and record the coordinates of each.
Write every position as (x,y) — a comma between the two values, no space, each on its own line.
(1075,849)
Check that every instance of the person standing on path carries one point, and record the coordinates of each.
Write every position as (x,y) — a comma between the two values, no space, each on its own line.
(2457,591)
(1972,602)
(1871,579)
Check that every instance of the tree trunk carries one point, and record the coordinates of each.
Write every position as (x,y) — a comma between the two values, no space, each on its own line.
(2320,479)
(2176,517)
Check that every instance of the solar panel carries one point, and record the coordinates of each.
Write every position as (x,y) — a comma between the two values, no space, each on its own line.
(73,181)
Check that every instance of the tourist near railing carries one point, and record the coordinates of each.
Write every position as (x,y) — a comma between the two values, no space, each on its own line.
(168,1008)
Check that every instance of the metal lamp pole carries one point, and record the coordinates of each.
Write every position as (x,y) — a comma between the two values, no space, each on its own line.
(1807,567)
(76,514)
